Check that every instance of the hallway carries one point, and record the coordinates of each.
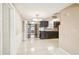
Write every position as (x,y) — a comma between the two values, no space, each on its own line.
(40,47)
(31,29)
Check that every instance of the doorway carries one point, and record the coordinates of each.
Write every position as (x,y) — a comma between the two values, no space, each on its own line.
(8,26)
(32,29)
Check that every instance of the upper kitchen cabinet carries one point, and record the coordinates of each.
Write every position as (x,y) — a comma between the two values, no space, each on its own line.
(43,23)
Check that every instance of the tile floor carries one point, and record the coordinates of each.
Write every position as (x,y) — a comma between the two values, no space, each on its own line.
(40,47)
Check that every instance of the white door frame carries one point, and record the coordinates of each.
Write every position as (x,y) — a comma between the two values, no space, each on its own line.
(12,27)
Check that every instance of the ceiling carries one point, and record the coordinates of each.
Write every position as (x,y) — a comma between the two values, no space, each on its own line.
(29,10)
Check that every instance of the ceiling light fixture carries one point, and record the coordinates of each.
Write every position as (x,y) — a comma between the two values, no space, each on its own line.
(37,18)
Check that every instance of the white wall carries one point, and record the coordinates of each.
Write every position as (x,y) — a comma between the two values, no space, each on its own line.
(16,30)
(69,29)
(19,31)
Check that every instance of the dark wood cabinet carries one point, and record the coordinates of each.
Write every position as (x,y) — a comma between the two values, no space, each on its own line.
(43,23)
(42,34)
(56,24)
(48,34)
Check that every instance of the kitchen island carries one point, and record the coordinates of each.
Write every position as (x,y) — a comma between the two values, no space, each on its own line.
(49,34)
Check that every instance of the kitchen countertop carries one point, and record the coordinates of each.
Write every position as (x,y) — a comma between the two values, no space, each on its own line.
(48,29)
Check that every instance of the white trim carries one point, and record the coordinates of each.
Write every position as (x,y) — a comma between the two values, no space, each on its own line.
(25,31)
(12,28)
(10,5)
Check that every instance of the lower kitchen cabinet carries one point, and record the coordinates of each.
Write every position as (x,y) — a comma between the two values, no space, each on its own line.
(49,34)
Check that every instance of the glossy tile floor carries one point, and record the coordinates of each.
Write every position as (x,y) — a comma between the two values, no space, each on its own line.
(40,47)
